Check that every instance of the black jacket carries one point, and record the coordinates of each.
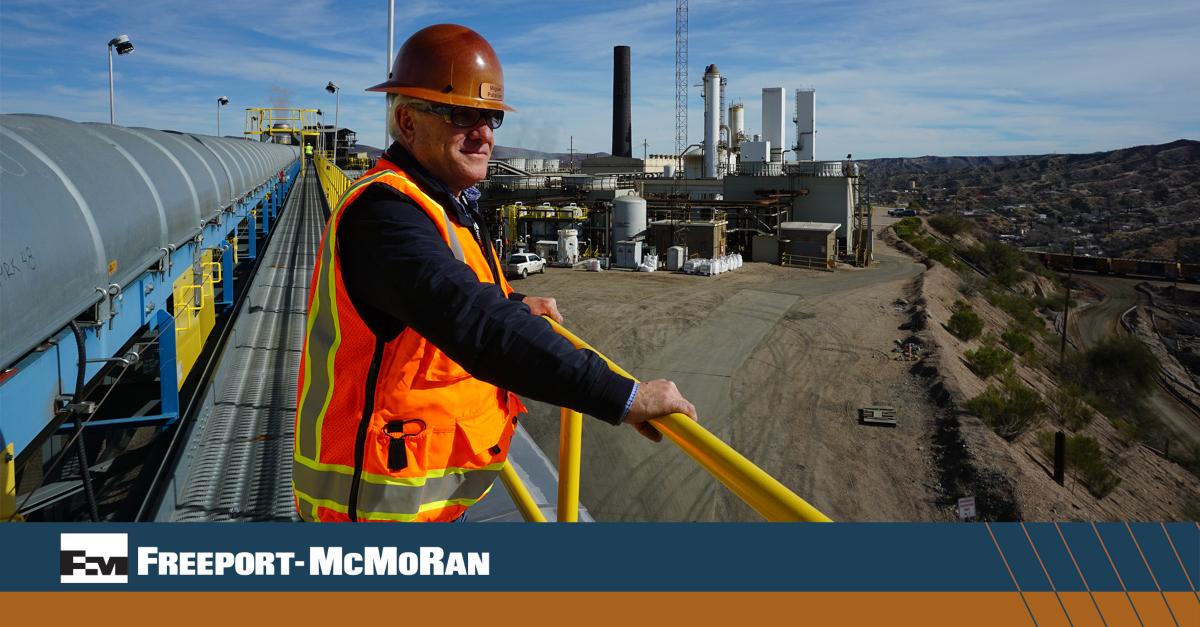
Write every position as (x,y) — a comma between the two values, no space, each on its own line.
(399,273)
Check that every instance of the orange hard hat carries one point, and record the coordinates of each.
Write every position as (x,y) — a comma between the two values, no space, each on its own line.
(450,64)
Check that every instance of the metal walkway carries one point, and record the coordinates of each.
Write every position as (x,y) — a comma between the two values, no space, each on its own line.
(237,462)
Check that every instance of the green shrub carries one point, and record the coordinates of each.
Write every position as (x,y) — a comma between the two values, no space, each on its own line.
(989,359)
(964,322)
(1004,263)
(949,223)
(1019,306)
(1084,460)
(1120,370)
(909,230)
(1016,341)
(1009,408)
(1071,406)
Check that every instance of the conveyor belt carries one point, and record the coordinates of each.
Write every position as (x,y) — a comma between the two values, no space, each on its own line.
(236,464)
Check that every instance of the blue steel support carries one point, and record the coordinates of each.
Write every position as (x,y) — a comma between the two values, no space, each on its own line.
(266,214)
(252,237)
(226,277)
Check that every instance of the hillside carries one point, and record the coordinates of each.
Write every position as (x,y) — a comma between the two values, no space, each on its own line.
(1133,202)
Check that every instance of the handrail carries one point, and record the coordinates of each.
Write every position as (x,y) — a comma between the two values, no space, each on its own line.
(334,182)
(520,494)
(750,483)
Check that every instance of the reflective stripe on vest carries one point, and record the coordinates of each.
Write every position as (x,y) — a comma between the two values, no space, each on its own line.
(455,469)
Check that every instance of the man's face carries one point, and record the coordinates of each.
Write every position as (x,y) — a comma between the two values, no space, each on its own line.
(456,156)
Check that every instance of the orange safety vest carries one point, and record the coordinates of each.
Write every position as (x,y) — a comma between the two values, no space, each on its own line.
(396,430)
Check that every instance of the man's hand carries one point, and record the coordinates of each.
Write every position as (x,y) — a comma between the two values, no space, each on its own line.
(540,306)
(656,399)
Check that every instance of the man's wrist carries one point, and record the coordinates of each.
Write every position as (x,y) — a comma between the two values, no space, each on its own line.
(629,402)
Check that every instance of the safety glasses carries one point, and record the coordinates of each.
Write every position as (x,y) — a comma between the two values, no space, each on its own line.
(460,117)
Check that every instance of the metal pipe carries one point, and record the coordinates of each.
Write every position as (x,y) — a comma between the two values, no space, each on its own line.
(755,487)
(569,444)
(387,139)
(112,107)
(520,494)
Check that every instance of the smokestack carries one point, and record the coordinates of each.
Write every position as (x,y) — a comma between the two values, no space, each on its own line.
(622,135)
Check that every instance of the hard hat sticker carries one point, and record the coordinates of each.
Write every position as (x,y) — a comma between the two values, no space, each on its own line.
(491,91)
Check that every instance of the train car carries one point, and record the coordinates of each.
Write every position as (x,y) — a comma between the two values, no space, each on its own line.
(1099,265)
(1123,267)
(1152,268)
(1190,272)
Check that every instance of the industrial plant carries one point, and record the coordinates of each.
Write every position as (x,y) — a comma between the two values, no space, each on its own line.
(731,193)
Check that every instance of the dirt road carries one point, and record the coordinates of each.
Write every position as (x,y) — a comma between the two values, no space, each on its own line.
(1102,319)
(777,361)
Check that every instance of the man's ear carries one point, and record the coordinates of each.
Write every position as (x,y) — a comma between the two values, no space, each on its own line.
(406,124)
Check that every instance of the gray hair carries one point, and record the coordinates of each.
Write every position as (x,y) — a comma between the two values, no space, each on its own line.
(394,102)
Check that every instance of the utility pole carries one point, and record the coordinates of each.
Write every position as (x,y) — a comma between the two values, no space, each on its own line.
(391,26)
(645,151)
(572,153)
(1062,346)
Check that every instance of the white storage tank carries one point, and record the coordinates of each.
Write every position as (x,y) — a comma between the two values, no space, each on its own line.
(516,162)
(629,254)
(669,171)
(550,165)
(676,255)
(568,246)
(533,165)
(629,218)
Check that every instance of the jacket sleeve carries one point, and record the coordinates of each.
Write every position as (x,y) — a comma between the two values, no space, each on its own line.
(395,261)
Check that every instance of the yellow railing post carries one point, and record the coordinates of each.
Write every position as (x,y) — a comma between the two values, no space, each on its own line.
(520,495)
(8,485)
(570,439)
(770,498)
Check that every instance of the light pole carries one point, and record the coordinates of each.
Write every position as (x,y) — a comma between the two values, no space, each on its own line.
(337,91)
(221,101)
(123,46)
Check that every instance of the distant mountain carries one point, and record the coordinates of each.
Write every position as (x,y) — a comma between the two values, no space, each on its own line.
(511,152)
(1142,201)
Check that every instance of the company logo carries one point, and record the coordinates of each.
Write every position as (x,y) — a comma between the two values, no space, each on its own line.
(93,558)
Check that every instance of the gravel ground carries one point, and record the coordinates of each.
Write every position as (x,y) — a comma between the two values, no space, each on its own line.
(777,361)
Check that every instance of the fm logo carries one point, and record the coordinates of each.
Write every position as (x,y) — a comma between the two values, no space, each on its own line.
(93,558)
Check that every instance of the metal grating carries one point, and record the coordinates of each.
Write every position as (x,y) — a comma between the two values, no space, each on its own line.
(237,464)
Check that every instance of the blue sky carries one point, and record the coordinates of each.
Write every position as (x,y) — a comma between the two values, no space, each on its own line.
(892,78)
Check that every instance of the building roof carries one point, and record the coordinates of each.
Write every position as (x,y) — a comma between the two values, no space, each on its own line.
(824,227)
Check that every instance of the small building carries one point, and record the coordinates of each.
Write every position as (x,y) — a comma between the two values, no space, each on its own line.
(811,240)
(704,239)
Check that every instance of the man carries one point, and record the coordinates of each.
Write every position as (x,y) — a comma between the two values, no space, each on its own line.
(415,342)
(308,150)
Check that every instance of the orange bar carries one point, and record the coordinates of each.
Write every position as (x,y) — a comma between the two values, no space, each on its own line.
(1152,609)
(1046,609)
(1082,612)
(868,609)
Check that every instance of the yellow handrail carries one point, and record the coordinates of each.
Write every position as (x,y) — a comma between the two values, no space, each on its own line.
(520,495)
(750,483)
(334,182)
(569,444)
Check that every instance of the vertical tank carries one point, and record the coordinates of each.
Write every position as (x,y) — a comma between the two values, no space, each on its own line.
(629,217)
(550,165)
(712,119)
(533,165)
(806,125)
(568,246)
(773,112)
(516,162)
(737,124)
